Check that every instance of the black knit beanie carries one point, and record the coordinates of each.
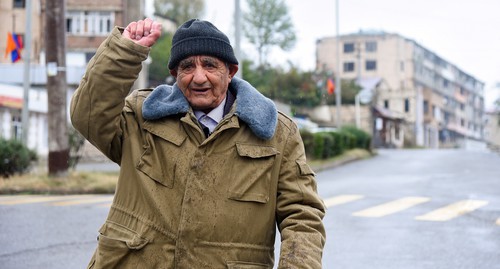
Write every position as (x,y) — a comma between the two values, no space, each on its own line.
(196,37)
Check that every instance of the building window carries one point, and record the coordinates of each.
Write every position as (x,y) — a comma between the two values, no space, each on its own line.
(462,91)
(407,105)
(435,112)
(349,67)
(446,83)
(402,66)
(348,47)
(371,65)
(426,107)
(89,22)
(19,3)
(17,126)
(386,104)
(371,46)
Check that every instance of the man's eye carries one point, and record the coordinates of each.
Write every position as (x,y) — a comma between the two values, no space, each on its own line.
(186,67)
(209,65)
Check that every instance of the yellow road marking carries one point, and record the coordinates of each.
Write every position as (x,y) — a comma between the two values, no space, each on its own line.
(452,211)
(341,199)
(4,198)
(83,201)
(37,199)
(391,207)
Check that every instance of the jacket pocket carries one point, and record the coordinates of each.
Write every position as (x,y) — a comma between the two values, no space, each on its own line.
(252,171)
(116,247)
(161,171)
(247,265)
(304,169)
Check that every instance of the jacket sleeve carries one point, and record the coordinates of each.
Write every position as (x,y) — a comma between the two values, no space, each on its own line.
(300,210)
(97,104)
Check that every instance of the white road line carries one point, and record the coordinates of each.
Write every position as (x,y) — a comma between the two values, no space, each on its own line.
(83,201)
(452,211)
(341,199)
(391,207)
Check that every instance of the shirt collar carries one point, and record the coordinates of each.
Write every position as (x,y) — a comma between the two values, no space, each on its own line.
(216,114)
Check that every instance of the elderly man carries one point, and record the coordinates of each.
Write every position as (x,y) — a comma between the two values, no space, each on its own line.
(209,167)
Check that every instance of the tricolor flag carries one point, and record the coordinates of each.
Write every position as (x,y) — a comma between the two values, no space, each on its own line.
(330,86)
(14,47)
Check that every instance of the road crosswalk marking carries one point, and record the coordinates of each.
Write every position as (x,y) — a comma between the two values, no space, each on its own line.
(391,207)
(452,211)
(441,214)
(341,199)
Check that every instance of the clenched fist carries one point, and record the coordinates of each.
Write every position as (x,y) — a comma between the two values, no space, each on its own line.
(143,32)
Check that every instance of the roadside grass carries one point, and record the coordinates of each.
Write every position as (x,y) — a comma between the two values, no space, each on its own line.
(77,182)
(74,183)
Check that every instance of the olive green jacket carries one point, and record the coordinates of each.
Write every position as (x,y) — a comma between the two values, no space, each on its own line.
(186,201)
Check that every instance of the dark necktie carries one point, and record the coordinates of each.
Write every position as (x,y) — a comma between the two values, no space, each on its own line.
(206,131)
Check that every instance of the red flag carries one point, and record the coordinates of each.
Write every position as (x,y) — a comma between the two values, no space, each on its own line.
(14,46)
(330,85)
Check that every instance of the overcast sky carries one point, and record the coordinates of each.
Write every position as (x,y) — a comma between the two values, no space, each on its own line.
(463,32)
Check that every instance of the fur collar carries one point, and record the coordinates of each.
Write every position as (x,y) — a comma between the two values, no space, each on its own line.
(256,110)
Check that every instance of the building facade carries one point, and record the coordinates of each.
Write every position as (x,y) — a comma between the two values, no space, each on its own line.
(492,130)
(87,24)
(440,103)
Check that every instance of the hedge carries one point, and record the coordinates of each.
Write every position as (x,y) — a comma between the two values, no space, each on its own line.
(324,145)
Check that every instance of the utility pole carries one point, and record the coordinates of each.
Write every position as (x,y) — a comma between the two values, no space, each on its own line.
(338,81)
(25,115)
(55,50)
(237,35)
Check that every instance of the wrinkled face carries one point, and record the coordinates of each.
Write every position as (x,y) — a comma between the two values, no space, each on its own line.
(204,80)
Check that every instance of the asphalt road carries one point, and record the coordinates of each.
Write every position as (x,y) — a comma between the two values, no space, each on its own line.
(401,209)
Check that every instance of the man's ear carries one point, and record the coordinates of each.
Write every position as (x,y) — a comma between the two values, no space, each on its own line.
(233,68)
(173,72)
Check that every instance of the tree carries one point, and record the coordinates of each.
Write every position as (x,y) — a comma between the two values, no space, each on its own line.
(160,53)
(290,86)
(179,10)
(268,24)
(348,94)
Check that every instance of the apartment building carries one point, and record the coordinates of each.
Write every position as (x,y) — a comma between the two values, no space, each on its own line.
(492,130)
(441,104)
(87,24)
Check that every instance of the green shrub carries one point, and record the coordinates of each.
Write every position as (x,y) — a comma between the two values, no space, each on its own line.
(308,139)
(325,145)
(361,138)
(338,143)
(328,145)
(319,143)
(15,157)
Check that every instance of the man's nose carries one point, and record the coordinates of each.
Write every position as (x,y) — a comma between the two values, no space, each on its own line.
(199,75)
